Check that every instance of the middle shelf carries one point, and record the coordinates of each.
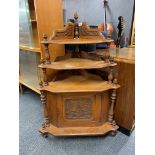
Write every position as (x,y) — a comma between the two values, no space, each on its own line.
(77,63)
(79,83)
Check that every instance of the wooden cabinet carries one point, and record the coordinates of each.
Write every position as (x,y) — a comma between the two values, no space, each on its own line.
(75,100)
(34,16)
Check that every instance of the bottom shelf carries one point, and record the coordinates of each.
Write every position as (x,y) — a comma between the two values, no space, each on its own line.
(79,131)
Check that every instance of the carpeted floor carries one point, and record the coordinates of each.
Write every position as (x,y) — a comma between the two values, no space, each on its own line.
(32,143)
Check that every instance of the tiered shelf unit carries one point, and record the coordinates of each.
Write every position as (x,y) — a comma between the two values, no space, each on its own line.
(77,100)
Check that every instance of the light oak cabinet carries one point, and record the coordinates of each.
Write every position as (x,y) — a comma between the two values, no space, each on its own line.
(77,101)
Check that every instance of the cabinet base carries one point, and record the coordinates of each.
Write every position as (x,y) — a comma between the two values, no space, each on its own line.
(78,131)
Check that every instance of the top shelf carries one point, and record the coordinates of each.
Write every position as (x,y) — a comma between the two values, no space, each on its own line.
(77,41)
(75,33)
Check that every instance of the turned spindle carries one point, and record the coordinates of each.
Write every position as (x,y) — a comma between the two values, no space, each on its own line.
(43,100)
(110,76)
(107,55)
(45,77)
(46,44)
(115,76)
(111,110)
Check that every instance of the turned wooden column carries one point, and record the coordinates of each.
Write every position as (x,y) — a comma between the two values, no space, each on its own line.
(112,78)
(111,110)
(45,80)
(110,75)
(46,44)
(115,75)
(43,100)
(76,26)
(45,77)
(107,53)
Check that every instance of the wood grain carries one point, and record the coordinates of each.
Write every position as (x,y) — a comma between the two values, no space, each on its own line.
(125,104)
(45,18)
(126,55)
(85,35)
(77,63)
(82,40)
(80,98)
(79,131)
(79,84)
(49,17)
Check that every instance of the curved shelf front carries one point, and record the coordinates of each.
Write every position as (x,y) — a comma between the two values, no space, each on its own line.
(79,131)
(78,41)
(76,63)
(79,83)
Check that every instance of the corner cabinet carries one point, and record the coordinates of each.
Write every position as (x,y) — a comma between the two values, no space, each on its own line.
(77,100)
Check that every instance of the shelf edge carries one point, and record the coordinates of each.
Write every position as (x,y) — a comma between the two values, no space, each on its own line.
(30,49)
(31,87)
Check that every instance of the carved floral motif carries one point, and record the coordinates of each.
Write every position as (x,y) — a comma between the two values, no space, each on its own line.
(79,108)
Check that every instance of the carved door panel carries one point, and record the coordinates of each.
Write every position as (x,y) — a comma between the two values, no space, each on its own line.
(79,109)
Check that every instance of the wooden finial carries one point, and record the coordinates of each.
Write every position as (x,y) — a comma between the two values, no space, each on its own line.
(76,26)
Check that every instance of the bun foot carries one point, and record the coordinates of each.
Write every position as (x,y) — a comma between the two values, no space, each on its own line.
(45,135)
(113,133)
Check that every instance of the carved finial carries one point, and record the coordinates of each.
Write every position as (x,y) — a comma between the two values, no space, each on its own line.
(76,26)
(76,16)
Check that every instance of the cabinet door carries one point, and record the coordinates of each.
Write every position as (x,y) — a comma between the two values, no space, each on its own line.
(79,109)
